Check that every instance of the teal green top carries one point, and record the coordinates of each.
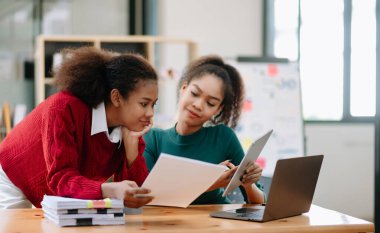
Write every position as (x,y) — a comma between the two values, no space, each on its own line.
(209,144)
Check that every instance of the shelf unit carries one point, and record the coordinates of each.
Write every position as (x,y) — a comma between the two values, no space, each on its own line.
(47,46)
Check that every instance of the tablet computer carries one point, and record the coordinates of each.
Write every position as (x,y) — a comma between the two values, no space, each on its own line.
(251,156)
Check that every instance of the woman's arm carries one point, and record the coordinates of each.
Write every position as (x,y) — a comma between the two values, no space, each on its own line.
(62,157)
(134,167)
(131,143)
(249,179)
(254,194)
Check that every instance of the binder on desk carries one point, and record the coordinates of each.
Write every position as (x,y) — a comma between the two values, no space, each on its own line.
(65,211)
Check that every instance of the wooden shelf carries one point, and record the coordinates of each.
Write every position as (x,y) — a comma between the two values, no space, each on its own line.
(47,46)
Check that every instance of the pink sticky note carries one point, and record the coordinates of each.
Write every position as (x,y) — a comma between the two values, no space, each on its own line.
(272,70)
(247,106)
(261,161)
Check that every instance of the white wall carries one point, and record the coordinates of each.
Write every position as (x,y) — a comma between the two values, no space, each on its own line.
(231,28)
(346,182)
(217,26)
(225,27)
(86,17)
(100,17)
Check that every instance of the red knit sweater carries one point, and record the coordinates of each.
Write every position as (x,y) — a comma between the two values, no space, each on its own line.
(52,152)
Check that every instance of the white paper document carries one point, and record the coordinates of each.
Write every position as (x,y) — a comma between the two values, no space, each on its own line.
(177,181)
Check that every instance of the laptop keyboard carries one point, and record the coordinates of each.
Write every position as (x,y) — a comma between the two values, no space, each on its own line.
(256,214)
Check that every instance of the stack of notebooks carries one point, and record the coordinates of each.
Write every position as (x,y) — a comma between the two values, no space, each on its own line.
(77,212)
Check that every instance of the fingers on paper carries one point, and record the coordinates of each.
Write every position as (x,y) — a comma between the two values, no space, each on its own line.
(136,202)
(137,197)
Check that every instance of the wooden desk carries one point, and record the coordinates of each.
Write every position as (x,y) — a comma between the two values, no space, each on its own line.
(192,219)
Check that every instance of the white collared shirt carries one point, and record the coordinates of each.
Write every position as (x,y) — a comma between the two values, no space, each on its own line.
(99,124)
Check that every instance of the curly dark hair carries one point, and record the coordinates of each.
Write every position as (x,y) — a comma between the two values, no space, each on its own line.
(90,73)
(233,86)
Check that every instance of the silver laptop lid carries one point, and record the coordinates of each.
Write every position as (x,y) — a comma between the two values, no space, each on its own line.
(293,185)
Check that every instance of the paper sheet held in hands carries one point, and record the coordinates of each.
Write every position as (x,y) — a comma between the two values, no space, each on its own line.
(177,181)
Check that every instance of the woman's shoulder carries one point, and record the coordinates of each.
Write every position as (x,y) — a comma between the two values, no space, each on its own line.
(64,100)
(64,103)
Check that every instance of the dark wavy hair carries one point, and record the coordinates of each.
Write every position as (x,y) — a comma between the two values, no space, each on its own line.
(90,73)
(233,86)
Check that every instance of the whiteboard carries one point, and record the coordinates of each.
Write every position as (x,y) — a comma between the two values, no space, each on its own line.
(272,101)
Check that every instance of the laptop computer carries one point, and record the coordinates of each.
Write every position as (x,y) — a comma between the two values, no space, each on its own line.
(291,192)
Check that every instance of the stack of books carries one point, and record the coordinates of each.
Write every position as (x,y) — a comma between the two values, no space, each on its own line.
(78,212)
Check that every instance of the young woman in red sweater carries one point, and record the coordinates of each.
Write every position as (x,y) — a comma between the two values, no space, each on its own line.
(88,132)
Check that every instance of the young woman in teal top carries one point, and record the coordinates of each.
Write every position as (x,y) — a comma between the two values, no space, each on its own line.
(210,93)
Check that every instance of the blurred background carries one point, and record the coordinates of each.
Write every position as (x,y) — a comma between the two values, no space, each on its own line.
(333,42)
